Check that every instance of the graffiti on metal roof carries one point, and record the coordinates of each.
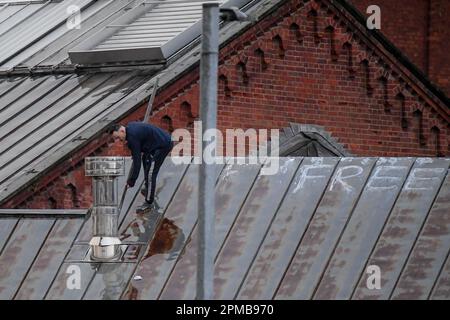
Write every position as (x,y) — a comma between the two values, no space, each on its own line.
(311,231)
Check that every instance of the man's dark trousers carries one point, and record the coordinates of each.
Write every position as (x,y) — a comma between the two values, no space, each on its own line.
(158,159)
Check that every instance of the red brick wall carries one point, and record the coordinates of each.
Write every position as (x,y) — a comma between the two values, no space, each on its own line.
(421,29)
(439,66)
(306,86)
(299,80)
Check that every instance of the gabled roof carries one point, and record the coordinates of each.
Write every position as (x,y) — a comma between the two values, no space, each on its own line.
(309,231)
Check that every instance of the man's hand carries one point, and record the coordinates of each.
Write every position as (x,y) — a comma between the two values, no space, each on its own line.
(130,184)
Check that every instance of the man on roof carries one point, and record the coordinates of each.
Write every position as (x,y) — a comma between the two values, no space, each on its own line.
(148,144)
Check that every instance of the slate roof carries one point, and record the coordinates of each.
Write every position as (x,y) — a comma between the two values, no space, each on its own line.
(310,231)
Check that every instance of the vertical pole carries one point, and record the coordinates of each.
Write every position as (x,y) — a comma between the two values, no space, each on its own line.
(150,101)
(208,111)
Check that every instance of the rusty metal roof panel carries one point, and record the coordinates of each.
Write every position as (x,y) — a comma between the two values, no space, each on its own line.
(250,227)
(430,250)
(232,189)
(441,290)
(363,228)
(325,228)
(287,229)
(404,223)
(51,254)
(6,228)
(309,231)
(19,253)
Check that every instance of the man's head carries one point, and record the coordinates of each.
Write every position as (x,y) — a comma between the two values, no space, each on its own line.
(118,132)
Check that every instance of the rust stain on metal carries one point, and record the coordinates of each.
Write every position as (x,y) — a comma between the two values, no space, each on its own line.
(182,213)
(231,190)
(429,252)
(327,224)
(164,239)
(20,252)
(51,254)
(405,222)
(247,233)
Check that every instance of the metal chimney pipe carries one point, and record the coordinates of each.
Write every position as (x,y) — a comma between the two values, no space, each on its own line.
(105,171)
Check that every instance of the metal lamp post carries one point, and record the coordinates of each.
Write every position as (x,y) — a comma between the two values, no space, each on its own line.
(208,111)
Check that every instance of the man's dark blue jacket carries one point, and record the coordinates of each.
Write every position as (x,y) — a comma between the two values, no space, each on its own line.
(144,138)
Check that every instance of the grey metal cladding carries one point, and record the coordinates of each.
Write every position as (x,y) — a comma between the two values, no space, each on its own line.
(148,32)
(34,111)
(27,24)
(51,49)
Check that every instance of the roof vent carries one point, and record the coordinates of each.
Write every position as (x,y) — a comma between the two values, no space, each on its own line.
(104,171)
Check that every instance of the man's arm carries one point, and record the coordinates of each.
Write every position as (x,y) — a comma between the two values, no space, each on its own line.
(136,154)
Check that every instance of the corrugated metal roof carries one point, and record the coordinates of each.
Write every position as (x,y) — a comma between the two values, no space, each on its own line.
(310,231)
(32,25)
(155,27)
(38,35)
(39,104)
(40,115)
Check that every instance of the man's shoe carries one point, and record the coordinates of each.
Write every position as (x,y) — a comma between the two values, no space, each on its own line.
(145,207)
